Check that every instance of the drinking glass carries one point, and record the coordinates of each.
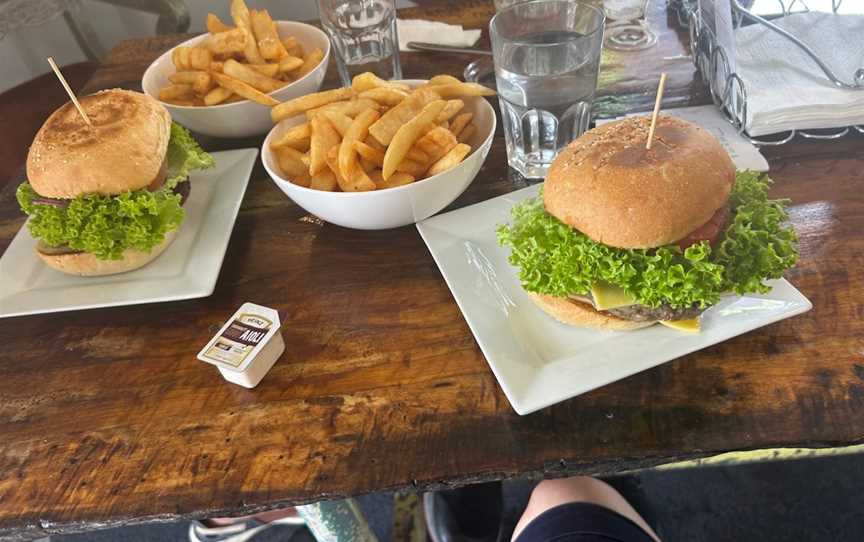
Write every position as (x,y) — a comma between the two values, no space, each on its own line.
(628,29)
(363,33)
(546,54)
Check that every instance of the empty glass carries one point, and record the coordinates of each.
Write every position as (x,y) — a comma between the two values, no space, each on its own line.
(627,29)
(363,34)
(547,55)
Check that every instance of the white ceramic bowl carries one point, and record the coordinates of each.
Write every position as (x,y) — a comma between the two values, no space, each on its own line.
(245,118)
(391,207)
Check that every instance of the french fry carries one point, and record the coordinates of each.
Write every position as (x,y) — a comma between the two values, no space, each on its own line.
(385,128)
(226,43)
(297,138)
(358,131)
(325,180)
(458,90)
(180,58)
(449,160)
(436,143)
(289,63)
(310,60)
(368,81)
(243,72)
(397,179)
(450,110)
(460,122)
(240,14)
(264,29)
(198,79)
(310,101)
(351,108)
(341,122)
(245,90)
(417,155)
(215,24)
(200,58)
(291,162)
(175,92)
(216,66)
(302,180)
(443,80)
(407,134)
(372,142)
(323,137)
(412,167)
(293,47)
(466,133)
(367,165)
(369,153)
(217,96)
(360,182)
(182,101)
(385,95)
(270,70)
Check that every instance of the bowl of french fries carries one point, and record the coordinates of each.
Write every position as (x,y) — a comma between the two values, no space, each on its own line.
(380,154)
(223,83)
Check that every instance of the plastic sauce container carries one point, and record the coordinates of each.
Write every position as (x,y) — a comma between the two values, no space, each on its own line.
(247,346)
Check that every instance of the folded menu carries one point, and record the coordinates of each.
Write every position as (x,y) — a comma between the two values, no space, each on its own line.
(785,88)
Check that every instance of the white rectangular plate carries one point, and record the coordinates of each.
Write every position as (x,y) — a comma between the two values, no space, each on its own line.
(187,269)
(538,361)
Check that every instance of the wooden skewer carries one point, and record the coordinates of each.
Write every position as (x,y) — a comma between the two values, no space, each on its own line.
(656,109)
(69,91)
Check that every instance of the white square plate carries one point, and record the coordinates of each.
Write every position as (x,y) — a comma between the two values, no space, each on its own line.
(538,361)
(187,269)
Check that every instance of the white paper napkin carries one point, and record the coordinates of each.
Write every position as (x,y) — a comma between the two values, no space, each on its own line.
(434,32)
(743,153)
(785,88)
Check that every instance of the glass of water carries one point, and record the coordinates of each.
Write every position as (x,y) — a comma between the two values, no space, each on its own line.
(547,55)
(363,33)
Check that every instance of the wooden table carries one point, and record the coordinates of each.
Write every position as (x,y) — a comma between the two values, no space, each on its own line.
(106,416)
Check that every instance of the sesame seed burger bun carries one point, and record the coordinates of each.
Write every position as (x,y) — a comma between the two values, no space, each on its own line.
(609,187)
(124,149)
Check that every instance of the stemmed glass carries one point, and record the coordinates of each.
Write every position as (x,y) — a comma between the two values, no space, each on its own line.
(626,26)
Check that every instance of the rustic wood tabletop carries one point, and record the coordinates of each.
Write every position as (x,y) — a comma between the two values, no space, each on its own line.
(106,416)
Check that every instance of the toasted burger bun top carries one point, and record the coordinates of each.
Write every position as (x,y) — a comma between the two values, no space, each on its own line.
(123,150)
(608,186)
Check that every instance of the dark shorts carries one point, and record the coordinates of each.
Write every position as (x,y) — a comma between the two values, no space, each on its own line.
(582,522)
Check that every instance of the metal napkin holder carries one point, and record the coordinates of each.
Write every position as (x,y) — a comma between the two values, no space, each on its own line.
(731,97)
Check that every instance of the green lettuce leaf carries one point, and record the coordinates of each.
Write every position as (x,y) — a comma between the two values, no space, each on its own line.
(184,155)
(108,225)
(554,259)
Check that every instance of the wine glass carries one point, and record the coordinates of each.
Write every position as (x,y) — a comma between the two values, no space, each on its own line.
(626,26)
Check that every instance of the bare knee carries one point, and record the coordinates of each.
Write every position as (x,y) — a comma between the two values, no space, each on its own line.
(551,493)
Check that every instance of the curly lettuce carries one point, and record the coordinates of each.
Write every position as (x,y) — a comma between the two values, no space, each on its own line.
(107,225)
(758,244)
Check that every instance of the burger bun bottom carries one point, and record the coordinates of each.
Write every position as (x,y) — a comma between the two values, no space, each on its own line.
(575,313)
(85,264)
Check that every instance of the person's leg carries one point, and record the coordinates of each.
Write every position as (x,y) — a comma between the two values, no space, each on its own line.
(551,493)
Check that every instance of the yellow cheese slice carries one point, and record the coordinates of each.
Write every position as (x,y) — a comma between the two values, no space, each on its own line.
(608,297)
(689,326)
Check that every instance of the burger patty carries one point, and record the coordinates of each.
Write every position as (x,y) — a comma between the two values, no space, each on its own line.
(644,313)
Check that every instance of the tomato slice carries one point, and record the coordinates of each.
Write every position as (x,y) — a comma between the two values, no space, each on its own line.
(709,231)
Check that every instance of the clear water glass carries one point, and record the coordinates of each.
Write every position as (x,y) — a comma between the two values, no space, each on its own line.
(547,55)
(363,34)
(627,28)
